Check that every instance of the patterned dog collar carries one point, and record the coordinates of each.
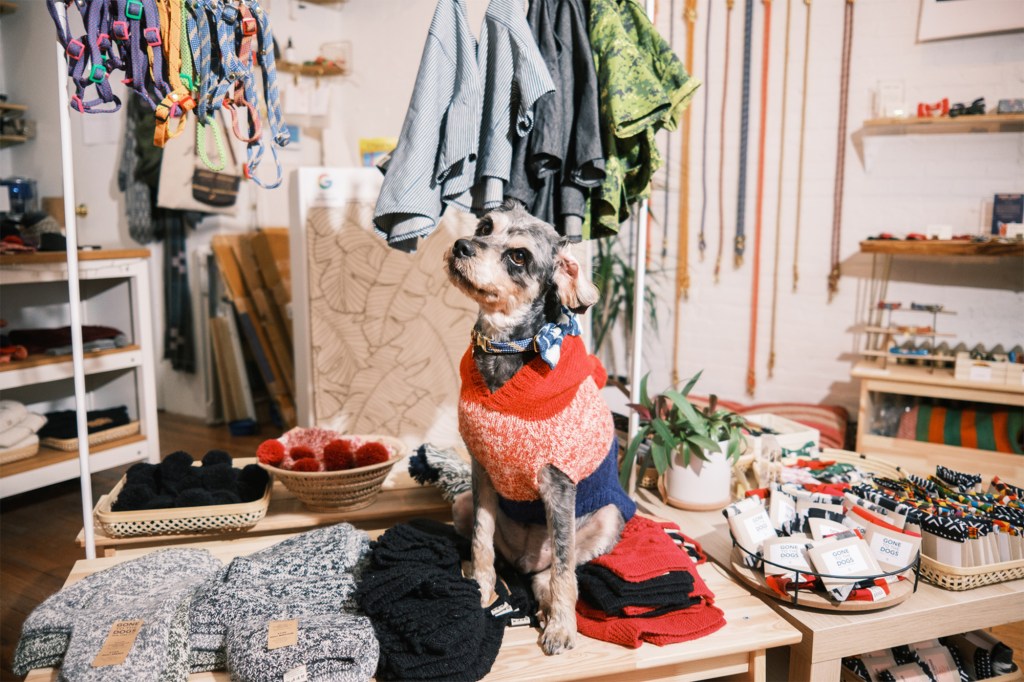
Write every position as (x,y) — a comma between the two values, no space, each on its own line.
(547,343)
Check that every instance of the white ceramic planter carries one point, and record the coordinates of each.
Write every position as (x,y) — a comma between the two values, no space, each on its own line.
(703,485)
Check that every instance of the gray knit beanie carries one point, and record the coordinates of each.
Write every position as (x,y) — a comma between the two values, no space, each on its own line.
(309,574)
(70,627)
(334,647)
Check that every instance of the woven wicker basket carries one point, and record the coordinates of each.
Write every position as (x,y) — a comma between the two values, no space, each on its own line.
(959,579)
(16,454)
(334,491)
(98,438)
(219,517)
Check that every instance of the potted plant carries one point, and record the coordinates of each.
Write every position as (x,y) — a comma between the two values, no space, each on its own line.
(692,449)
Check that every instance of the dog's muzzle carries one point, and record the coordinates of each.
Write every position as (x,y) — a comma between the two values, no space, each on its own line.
(463,248)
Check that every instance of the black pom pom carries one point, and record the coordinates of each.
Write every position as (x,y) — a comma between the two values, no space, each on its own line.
(252,482)
(133,496)
(194,497)
(219,477)
(161,502)
(175,466)
(225,497)
(214,457)
(143,474)
(188,479)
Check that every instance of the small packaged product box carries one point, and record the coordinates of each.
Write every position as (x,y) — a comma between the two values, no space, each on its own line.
(940,662)
(787,556)
(751,528)
(909,672)
(823,528)
(848,560)
(878,661)
(893,550)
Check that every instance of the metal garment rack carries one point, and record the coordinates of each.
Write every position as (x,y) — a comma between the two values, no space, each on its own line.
(639,284)
(75,303)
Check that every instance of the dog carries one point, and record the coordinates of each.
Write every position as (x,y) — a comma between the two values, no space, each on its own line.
(545,487)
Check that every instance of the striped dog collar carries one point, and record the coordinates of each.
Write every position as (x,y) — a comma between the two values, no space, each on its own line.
(547,343)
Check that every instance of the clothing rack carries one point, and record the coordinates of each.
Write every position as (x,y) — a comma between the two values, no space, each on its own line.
(75,302)
(639,284)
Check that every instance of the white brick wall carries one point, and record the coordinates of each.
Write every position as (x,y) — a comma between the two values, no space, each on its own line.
(909,182)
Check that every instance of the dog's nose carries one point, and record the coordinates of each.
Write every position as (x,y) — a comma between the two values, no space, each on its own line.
(463,248)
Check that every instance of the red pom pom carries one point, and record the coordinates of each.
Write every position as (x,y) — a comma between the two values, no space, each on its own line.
(339,455)
(302,452)
(270,452)
(306,464)
(372,453)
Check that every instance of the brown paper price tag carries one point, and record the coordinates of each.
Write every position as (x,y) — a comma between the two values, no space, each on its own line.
(118,643)
(282,633)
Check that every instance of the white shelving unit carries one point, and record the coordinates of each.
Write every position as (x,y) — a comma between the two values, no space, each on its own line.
(115,292)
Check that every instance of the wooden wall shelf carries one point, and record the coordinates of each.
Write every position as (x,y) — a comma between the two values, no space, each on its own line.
(985,123)
(7,7)
(942,247)
(312,70)
(11,140)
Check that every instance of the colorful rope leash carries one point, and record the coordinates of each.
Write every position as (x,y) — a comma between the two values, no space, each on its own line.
(778,196)
(759,216)
(702,242)
(271,96)
(199,41)
(84,57)
(721,141)
(739,245)
(837,207)
(800,153)
(178,102)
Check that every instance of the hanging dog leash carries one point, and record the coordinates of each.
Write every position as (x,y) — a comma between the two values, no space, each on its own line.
(702,242)
(683,238)
(778,199)
(800,152)
(741,195)
(759,216)
(84,57)
(837,205)
(729,4)
(178,102)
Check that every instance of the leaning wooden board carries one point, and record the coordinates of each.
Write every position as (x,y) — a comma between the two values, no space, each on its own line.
(737,649)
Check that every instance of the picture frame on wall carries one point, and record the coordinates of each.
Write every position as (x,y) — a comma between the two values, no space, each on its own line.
(945,19)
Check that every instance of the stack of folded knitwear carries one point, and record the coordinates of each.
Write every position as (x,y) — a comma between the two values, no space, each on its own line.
(18,429)
(646,589)
(57,341)
(310,578)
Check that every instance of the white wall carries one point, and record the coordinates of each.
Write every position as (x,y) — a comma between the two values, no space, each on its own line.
(909,183)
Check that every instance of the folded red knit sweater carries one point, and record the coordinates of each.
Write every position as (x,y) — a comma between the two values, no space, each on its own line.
(678,626)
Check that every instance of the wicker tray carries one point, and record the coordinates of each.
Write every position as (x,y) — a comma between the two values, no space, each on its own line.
(16,454)
(219,517)
(745,478)
(334,491)
(959,579)
(98,438)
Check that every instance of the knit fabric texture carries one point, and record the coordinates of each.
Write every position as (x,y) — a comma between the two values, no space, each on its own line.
(69,628)
(635,582)
(312,574)
(540,416)
(426,616)
(333,647)
(444,468)
(600,488)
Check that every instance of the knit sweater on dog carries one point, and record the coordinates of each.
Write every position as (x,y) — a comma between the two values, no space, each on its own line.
(540,416)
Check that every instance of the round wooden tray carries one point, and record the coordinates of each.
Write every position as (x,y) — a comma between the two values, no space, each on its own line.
(899,591)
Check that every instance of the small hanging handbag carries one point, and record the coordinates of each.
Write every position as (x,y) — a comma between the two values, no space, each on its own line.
(216,188)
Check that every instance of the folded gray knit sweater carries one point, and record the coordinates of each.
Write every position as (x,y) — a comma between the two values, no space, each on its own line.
(70,627)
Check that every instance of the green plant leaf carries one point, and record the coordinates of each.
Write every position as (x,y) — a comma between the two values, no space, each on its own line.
(667,438)
(630,458)
(690,384)
(734,445)
(644,399)
(660,456)
(680,401)
(696,451)
(705,443)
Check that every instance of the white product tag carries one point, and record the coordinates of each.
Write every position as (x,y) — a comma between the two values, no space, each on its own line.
(788,555)
(782,509)
(843,561)
(759,528)
(890,550)
(981,373)
(296,675)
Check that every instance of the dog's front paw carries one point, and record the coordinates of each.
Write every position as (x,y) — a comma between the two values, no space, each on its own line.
(558,636)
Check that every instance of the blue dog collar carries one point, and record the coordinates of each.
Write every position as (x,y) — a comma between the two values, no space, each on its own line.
(547,343)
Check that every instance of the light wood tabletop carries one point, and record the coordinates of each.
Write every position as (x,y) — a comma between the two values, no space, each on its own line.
(738,649)
(828,636)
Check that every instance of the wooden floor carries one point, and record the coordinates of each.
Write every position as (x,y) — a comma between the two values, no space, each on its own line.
(38,529)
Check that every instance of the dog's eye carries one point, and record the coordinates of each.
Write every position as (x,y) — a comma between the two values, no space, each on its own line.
(484,229)
(517,256)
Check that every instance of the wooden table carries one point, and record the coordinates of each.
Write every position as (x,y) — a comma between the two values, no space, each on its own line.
(738,649)
(402,499)
(828,637)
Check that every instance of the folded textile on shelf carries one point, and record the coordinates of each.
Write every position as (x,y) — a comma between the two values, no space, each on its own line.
(21,430)
(64,424)
(11,414)
(41,340)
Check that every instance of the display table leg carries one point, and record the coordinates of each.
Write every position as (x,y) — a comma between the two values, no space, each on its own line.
(801,669)
(757,672)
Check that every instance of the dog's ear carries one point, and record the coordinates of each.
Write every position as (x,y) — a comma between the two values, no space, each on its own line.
(575,291)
